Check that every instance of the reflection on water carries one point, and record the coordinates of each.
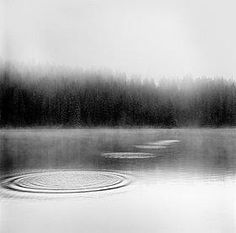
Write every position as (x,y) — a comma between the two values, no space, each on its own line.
(186,185)
(202,151)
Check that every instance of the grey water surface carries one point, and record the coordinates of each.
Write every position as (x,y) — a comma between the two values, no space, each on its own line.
(118,180)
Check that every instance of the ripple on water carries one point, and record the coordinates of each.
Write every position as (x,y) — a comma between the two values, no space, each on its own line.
(62,182)
(163,142)
(128,155)
(152,147)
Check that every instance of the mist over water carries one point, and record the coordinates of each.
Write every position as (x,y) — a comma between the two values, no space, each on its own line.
(204,149)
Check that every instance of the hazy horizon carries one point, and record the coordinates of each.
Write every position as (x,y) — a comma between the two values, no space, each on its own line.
(148,38)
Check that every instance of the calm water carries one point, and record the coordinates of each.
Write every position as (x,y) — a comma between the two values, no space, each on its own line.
(118,180)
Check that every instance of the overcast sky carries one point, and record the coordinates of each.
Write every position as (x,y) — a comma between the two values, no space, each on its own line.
(147,37)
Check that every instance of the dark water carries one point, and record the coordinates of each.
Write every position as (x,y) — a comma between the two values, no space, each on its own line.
(118,180)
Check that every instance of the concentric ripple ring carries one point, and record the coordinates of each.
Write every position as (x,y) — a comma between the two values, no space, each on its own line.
(65,182)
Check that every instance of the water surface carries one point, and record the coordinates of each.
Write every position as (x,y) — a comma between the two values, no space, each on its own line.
(118,180)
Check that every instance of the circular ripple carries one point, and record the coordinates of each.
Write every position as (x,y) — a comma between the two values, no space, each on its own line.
(65,182)
(128,155)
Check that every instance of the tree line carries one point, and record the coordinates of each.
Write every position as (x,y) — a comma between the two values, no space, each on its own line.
(78,99)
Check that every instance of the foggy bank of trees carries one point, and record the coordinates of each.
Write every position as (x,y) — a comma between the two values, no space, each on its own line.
(94,99)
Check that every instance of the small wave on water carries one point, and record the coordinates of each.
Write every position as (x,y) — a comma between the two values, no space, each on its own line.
(163,142)
(154,147)
(128,155)
(64,182)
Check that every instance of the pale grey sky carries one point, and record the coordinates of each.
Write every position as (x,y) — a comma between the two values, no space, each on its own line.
(146,37)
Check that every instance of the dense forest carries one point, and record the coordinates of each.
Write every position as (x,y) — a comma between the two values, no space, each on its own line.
(82,98)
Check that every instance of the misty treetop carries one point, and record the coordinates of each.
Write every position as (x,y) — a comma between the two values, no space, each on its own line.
(83,98)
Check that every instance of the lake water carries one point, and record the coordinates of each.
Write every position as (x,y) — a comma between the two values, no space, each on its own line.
(118,180)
